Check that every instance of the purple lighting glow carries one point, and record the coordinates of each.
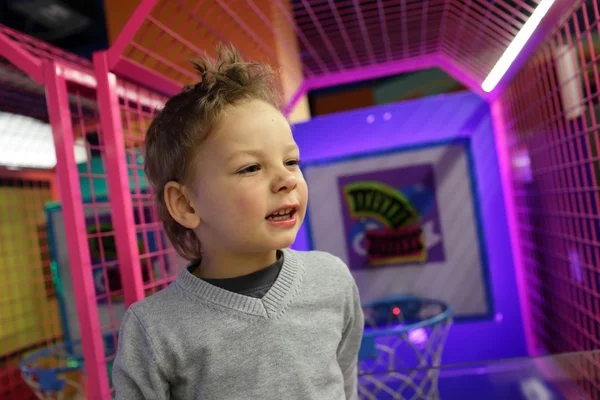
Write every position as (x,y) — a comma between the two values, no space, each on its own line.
(418,336)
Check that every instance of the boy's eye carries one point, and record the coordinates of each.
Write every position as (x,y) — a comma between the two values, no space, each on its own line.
(293,162)
(249,170)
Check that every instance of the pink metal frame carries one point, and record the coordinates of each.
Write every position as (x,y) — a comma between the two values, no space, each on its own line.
(505,167)
(118,180)
(551,123)
(27,63)
(371,72)
(54,75)
(119,62)
(121,65)
(116,62)
(559,10)
(70,194)
(455,69)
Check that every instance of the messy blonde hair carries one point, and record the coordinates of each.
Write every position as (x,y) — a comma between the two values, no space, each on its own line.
(174,136)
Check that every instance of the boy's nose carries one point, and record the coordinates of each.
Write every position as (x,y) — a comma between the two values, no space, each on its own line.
(286,182)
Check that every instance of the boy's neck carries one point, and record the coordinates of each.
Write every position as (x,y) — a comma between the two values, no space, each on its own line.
(226,266)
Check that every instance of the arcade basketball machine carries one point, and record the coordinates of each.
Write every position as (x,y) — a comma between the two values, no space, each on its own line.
(534,61)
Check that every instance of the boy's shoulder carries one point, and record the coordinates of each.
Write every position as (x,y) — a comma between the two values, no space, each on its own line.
(324,264)
(161,304)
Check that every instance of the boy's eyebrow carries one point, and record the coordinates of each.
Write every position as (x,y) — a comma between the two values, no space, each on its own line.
(236,154)
(258,152)
(291,147)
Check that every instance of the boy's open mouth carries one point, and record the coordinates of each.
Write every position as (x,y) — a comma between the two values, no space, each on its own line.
(282,214)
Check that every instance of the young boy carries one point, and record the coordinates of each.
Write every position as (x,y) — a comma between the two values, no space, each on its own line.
(248,318)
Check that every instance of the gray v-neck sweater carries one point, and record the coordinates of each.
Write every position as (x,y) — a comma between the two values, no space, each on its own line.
(194,340)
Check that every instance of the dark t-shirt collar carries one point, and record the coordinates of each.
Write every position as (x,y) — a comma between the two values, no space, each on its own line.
(247,283)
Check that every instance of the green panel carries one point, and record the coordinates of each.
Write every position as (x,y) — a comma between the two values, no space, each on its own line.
(423,83)
(99,185)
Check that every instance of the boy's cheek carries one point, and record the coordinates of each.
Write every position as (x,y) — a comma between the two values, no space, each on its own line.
(304,192)
(244,206)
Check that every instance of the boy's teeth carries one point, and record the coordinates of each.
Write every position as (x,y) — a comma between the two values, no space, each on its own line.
(280,217)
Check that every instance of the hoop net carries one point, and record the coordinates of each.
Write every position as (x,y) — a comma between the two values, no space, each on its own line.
(55,373)
(402,345)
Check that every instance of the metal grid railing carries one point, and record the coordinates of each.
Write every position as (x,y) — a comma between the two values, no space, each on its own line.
(29,317)
(476,33)
(552,115)
(88,253)
(370,32)
(155,261)
(29,313)
(87,134)
(40,50)
(19,94)
(174,32)
(156,255)
(322,37)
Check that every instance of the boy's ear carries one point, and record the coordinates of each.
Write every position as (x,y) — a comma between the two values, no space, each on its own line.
(180,205)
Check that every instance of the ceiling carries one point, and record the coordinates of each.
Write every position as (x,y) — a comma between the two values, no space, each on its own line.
(331,36)
(378,31)
(77,26)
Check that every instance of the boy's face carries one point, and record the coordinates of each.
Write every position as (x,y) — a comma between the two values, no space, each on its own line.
(247,169)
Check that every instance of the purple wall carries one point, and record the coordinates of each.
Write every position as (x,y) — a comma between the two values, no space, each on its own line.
(436,119)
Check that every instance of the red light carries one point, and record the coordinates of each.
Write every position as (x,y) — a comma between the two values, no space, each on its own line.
(396,311)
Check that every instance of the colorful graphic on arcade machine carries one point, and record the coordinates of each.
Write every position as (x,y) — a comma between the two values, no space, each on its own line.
(391,217)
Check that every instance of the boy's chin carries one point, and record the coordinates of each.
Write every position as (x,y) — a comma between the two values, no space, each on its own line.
(284,241)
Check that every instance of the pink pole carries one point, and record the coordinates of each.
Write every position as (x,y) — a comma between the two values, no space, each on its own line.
(371,72)
(14,53)
(289,107)
(125,37)
(456,71)
(136,72)
(81,268)
(504,161)
(118,182)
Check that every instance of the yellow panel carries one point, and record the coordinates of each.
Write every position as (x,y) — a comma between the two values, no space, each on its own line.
(27,315)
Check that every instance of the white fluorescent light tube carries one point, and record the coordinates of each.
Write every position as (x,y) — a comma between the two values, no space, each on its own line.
(28,143)
(515,47)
